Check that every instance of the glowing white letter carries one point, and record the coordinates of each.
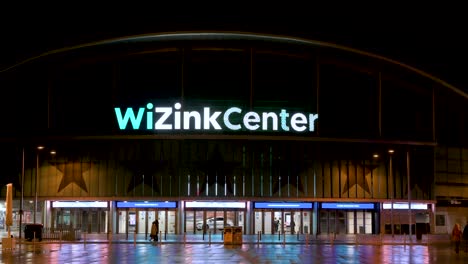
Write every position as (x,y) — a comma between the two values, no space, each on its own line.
(160,123)
(296,119)
(251,117)
(274,119)
(227,122)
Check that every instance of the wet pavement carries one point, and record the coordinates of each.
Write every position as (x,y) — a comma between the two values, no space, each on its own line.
(148,252)
(211,248)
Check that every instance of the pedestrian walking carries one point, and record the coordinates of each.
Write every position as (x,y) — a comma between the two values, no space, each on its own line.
(154,230)
(465,236)
(276,225)
(456,236)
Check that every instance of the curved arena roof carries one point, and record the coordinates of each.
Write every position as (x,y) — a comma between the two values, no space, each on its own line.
(232,36)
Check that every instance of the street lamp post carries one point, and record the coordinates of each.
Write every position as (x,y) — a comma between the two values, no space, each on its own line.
(409,190)
(391,151)
(22,193)
(36,182)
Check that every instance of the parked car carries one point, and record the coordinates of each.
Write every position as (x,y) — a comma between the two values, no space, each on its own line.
(212,222)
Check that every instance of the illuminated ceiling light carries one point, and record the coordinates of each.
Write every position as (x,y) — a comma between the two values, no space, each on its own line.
(40,147)
(391,151)
(53,152)
(375,155)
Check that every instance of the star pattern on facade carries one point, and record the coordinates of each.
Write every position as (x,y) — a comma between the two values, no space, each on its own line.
(72,171)
(215,170)
(356,175)
(144,172)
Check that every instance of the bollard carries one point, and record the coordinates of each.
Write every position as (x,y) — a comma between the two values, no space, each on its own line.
(160,238)
(134,238)
(297,236)
(258,238)
(110,237)
(165,235)
(209,237)
(185,237)
(307,238)
(279,235)
(284,238)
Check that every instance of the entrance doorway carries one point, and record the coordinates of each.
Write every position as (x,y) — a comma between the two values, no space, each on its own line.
(214,220)
(139,220)
(345,222)
(90,220)
(282,221)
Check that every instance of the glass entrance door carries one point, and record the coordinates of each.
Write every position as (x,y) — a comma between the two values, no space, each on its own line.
(88,220)
(142,222)
(151,218)
(132,221)
(122,222)
(283,222)
(258,226)
(345,222)
(212,221)
(171,222)
(162,218)
(190,222)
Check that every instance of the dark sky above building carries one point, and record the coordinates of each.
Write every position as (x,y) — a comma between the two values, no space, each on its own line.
(429,37)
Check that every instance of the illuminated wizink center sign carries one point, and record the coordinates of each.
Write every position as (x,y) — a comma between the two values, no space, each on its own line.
(232,119)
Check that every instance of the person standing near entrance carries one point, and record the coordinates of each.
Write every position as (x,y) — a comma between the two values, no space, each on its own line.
(154,230)
(276,225)
(456,236)
(465,236)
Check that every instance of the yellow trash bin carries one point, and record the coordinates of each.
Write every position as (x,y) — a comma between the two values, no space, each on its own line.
(237,235)
(228,235)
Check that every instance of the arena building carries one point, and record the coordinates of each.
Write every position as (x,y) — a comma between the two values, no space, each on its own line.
(206,129)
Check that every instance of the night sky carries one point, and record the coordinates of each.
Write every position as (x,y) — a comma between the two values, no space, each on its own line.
(429,37)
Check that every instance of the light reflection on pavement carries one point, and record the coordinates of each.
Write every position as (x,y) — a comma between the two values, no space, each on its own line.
(219,253)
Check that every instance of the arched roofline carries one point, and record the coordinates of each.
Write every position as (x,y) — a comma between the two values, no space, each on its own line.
(228,35)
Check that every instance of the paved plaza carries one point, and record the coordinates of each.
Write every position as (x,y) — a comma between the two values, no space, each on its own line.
(219,253)
(270,249)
